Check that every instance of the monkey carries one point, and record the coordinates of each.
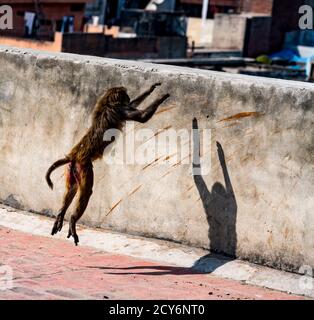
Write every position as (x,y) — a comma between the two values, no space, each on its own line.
(111,111)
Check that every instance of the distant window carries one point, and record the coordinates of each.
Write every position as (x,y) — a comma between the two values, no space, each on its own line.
(77,7)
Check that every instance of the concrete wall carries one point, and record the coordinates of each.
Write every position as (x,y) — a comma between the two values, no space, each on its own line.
(229,31)
(240,31)
(101,45)
(200,35)
(257,203)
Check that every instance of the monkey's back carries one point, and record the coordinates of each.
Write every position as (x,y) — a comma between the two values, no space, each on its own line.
(92,145)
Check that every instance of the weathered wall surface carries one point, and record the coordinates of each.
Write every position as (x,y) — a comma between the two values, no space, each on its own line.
(229,31)
(200,35)
(234,31)
(257,202)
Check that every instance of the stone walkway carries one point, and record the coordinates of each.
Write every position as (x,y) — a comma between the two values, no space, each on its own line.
(52,268)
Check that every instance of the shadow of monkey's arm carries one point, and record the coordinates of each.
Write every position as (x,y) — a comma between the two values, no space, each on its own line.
(221,156)
(196,166)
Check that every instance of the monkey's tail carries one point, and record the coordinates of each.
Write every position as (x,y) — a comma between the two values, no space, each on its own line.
(57,164)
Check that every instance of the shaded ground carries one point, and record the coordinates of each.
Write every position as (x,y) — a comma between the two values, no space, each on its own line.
(48,268)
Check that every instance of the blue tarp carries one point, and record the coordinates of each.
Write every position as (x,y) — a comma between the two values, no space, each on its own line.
(292,55)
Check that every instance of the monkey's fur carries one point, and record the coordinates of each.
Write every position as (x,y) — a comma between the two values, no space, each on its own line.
(110,112)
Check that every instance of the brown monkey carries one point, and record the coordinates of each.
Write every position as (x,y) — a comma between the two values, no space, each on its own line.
(111,111)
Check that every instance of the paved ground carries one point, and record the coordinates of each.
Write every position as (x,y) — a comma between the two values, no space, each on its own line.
(50,268)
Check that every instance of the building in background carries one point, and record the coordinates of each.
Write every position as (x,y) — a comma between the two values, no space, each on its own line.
(156,29)
(260,27)
(284,18)
(250,26)
(97,8)
(65,26)
(42,18)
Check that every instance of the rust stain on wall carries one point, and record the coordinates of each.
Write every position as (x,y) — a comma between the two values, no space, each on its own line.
(114,207)
(270,239)
(164,175)
(162,130)
(244,159)
(229,125)
(157,133)
(187,190)
(151,163)
(242,115)
(164,110)
(182,160)
(286,233)
(137,188)
(170,156)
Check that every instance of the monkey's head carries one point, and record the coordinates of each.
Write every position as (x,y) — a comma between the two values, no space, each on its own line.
(117,97)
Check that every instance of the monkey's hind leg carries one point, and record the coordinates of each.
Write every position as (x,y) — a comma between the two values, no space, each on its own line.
(71,189)
(85,191)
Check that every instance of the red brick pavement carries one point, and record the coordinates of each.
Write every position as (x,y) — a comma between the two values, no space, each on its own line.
(48,268)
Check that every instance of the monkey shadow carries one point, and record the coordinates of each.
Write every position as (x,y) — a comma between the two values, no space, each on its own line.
(205,264)
(220,207)
(158,270)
